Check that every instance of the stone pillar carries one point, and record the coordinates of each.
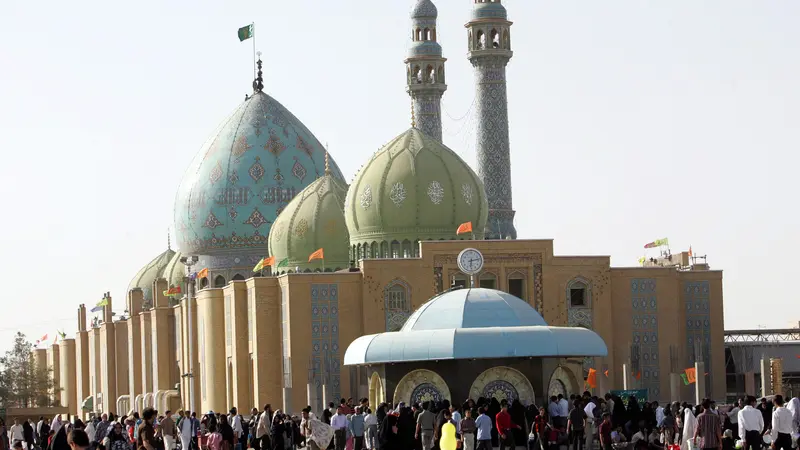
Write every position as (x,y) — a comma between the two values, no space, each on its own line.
(626,377)
(121,346)
(750,383)
(69,398)
(766,378)
(264,297)
(108,364)
(211,331)
(147,353)
(95,376)
(675,384)
(135,300)
(163,348)
(700,384)
(82,390)
(54,364)
(236,296)
(776,372)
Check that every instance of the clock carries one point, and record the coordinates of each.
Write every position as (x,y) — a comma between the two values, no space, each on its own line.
(470,261)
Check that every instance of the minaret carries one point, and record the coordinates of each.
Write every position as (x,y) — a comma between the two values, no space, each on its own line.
(425,70)
(489,52)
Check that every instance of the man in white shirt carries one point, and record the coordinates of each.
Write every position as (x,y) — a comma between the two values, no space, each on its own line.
(659,414)
(781,425)
(16,433)
(751,424)
(236,423)
(456,418)
(591,430)
(339,425)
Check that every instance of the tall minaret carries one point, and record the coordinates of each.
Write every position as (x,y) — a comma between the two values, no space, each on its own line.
(425,70)
(489,52)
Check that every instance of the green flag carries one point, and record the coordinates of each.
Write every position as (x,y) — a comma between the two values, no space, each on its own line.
(103,302)
(685,380)
(284,263)
(245,32)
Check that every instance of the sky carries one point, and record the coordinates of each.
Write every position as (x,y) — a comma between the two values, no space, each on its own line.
(630,121)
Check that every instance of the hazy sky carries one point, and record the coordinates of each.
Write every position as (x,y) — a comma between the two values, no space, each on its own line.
(630,121)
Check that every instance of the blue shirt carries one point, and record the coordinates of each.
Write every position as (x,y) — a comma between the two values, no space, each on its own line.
(484,426)
(357,425)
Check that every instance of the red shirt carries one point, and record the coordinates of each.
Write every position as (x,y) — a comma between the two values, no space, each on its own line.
(503,422)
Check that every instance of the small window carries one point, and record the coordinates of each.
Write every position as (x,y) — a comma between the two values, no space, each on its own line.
(577,296)
(488,283)
(516,287)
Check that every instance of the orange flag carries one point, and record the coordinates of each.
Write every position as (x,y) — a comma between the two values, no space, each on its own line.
(592,378)
(203,273)
(639,375)
(465,227)
(269,262)
(606,372)
(319,254)
(691,375)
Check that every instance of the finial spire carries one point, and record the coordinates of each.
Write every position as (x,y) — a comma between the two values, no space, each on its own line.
(169,242)
(413,115)
(327,161)
(258,83)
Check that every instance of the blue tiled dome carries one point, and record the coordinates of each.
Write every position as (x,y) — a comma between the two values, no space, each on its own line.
(489,10)
(424,9)
(243,177)
(473,308)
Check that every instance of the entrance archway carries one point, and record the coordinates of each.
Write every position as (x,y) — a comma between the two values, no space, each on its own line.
(563,382)
(503,383)
(376,392)
(420,386)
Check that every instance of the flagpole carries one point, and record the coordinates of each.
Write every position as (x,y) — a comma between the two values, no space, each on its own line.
(253,26)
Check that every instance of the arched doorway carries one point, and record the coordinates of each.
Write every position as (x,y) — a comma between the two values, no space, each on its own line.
(563,382)
(503,383)
(376,391)
(420,386)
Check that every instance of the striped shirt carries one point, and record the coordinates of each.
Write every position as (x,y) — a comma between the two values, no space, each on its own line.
(709,430)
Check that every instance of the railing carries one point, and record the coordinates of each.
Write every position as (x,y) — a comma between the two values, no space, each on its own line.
(763,335)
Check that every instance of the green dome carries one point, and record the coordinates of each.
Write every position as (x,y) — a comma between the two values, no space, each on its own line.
(175,272)
(314,219)
(151,272)
(412,189)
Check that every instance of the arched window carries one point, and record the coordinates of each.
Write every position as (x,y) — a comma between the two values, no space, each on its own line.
(488,280)
(238,277)
(374,250)
(495,38)
(517,285)
(416,249)
(219,281)
(384,249)
(395,249)
(579,293)
(203,283)
(407,249)
(433,34)
(397,303)
(480,40)
(427,34)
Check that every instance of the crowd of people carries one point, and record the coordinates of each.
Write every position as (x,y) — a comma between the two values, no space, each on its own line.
(584,422)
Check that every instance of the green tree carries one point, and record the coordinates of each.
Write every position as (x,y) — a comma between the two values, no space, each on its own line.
(22,384)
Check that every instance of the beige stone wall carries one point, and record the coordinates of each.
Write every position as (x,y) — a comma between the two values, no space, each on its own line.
(146,333)
(238,353)
(82,390)
(108,368)
(122,345)
(134,321)
(67,380)
(95,375)
(264,297)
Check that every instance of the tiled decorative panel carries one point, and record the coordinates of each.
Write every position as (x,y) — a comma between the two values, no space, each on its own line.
(581,316)
(325,353)
(644,324)
(397,304)
(698,325)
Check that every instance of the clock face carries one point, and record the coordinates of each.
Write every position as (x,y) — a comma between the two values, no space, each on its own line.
(470,261)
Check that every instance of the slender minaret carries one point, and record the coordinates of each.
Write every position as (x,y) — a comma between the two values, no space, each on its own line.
(489,52)
(425,70)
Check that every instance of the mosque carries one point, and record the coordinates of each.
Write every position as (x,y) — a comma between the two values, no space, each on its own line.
(263,185)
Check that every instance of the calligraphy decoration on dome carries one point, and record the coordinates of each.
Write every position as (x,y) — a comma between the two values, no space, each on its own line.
(274,145)
(216,173)
(302,145)
(426,392)
(256,219)
(330,227)
(301,228)
(212,221)
(240,147)
(298,170)
(398,194)
(256,171)
(501,390)
(468,193)
(279,232)
(436,192)
(366,197)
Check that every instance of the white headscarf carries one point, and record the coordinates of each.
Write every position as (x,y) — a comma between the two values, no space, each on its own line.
(794,407)
(56,425)
(689,425)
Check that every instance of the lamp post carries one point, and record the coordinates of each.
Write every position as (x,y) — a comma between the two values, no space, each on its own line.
(189,261)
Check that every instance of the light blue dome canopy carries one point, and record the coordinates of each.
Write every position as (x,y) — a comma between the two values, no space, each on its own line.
(243,177)
(474,324)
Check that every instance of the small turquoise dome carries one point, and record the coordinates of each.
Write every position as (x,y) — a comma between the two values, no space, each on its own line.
(424,9)
(489,10)
(424,48)
(243,177)
(473,308)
